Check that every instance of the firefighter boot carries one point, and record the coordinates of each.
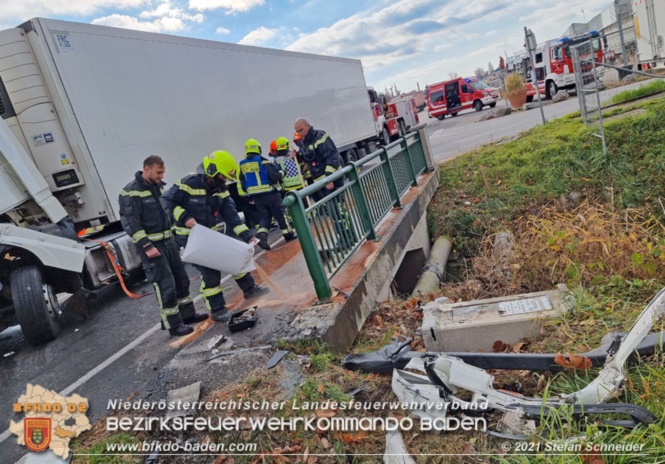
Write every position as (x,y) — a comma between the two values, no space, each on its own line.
(290,236)
(263,240)
(189,314)
(180,330)
(254,291)
(175,325)
(220,315)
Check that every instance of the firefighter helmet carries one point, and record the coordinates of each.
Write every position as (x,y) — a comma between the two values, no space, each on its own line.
(252,146)
(273,147)
(220,162)
(297,137)
(282,143)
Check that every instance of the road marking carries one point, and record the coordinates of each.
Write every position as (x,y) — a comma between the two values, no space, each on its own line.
(7,433)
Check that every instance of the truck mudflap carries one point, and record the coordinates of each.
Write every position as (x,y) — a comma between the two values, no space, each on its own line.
(56,252)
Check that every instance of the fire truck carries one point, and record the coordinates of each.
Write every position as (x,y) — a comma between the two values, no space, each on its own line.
(553,64)
(392,118)
(519,63)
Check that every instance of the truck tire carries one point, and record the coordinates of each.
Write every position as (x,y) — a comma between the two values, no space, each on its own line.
(385,136)
(440,117)
(350,155)
(551,89)
(35,305)
(492,105)
(402,128)
(478,105)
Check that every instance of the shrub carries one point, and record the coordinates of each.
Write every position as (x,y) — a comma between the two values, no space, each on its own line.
(514,83)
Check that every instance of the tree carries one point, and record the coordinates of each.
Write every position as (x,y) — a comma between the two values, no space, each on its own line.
(479,72)
(453,75)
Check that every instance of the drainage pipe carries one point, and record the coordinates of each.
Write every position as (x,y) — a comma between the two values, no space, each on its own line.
(432,273)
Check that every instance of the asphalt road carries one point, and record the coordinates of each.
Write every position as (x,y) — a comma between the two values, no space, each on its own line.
(452,137)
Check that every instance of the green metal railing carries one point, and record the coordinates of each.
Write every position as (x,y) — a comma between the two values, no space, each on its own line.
(333,227)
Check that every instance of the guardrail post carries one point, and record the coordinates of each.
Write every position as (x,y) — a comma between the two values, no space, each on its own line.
(310,251)
(390,178)
(362,202)
(409,163)
(425,146)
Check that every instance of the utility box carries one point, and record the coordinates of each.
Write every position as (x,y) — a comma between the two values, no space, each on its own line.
(475,325)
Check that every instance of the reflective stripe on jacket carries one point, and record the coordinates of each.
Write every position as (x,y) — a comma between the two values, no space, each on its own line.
(141,214)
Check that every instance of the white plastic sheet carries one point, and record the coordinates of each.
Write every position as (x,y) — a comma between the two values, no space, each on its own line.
(208,248)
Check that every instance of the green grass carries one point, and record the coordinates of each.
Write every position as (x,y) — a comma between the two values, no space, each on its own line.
(644,91)
(98,454)
(546,165)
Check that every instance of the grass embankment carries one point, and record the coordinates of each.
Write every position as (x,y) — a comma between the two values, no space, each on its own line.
(578,218)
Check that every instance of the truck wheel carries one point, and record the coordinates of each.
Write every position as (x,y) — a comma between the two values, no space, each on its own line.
(454,114)
(478,105)
(385,136)
(35,304)
(440,117)
(350,155)
(492,105)
(551,89)
(402,128)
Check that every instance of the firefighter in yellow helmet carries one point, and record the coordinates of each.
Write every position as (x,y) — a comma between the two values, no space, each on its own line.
(261,179)
(203,198)
(293,178)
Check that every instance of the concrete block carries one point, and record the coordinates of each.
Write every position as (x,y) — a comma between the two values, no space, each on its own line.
(476,325)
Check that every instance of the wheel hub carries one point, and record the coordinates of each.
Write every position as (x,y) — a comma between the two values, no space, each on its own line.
(51,301)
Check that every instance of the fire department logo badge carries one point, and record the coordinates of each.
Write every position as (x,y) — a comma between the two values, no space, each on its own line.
(37,433)
(49,420)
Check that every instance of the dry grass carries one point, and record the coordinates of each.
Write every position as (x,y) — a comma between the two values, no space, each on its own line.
(584,246)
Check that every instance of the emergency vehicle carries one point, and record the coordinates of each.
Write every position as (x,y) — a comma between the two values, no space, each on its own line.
(451,97)
(519,63)
(554,64)
(393,118)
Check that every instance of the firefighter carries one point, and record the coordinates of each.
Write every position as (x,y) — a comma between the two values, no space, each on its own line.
(323,159)
(296,153)
(293,179)
(203,198)
(261,180)
(146,222)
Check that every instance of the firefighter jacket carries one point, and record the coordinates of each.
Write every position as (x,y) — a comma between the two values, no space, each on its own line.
(192,197)
(141,213)
(320,154)
(258,175)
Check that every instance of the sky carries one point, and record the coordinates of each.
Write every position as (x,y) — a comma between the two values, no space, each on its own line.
(403,43)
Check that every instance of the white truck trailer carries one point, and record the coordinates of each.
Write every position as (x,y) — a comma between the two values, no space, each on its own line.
(649,19)
(82,106)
